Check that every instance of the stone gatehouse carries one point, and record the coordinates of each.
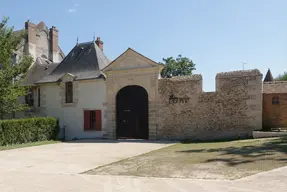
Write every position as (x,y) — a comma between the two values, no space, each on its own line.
(126,98)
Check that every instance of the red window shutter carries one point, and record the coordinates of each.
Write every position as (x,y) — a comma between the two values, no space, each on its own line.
(87,123)
(98,120)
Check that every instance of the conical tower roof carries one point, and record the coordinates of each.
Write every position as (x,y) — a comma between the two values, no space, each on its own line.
(268,76)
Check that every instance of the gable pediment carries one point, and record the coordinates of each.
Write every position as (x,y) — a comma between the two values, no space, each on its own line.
(67,77)
(130,60)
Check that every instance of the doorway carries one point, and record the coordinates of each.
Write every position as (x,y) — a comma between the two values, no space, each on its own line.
(132,113)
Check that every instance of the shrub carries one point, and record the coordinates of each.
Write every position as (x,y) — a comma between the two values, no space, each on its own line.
(17,131)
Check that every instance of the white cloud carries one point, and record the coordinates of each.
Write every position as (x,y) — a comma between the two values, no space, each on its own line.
(72,10)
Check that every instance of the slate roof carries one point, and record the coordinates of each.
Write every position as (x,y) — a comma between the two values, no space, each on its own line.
(85,61)
(41,68)
(269,76)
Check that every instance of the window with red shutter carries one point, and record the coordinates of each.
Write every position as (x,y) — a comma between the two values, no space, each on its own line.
(93,120)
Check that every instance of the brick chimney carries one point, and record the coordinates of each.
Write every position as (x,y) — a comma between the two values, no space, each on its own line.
(100,43)
(54,43)
(31,32)
(30,44)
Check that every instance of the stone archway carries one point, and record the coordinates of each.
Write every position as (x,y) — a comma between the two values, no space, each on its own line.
(132,113)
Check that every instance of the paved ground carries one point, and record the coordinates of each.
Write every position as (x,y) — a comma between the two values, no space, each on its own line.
(55,168)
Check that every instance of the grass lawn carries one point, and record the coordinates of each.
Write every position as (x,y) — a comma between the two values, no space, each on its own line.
(214,160)
(16,146)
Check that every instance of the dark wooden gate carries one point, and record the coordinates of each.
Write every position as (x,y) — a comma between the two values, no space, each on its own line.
(132,113)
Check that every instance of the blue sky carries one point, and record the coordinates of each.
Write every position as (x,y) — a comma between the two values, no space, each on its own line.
(217,35)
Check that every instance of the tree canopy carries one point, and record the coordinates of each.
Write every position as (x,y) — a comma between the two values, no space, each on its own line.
(282,77)
(12,71)
(177,67)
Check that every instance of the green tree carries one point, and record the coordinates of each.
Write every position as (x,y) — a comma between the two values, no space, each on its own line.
(11,72)
(282,77)
(177,67)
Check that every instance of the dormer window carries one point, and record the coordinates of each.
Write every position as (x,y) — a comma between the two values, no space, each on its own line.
(69,92)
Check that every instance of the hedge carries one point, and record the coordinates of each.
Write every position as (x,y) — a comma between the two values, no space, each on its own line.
(17,131)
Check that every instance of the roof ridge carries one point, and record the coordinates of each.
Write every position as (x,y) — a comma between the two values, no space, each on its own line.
(84,43)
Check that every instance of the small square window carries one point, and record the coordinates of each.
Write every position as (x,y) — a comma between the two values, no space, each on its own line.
(275,100)
(92,120)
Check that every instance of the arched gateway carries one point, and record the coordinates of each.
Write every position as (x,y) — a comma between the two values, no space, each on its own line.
(131,97)
(132,113)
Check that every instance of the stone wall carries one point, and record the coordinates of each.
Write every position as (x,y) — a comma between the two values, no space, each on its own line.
(275,87)
(233,111)
(274,113)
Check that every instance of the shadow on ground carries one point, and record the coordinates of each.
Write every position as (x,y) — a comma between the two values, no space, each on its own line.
(236,155)
(203,160)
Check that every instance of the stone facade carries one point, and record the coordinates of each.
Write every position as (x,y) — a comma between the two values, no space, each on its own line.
(131,68)
(233,111)
(274,104)
(177,107)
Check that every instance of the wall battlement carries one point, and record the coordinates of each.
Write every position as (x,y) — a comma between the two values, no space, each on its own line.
(234,110)
(234,78)
(240,73)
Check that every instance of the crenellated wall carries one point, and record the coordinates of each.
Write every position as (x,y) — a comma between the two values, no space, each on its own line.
(234,110)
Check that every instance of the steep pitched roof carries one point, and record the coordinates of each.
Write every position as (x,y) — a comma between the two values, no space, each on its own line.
(268,76)
(85,61)
(41,68)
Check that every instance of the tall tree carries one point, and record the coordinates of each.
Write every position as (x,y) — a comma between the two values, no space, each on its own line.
(177,67)
(282,77)
(11,72)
